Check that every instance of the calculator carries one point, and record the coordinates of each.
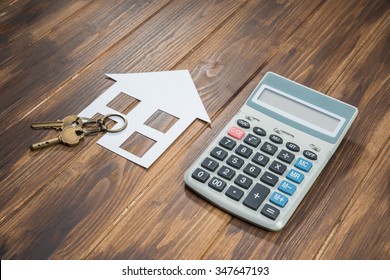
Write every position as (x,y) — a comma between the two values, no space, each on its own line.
(268,156)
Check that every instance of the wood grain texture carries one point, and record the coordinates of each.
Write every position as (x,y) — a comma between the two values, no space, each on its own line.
(86,202)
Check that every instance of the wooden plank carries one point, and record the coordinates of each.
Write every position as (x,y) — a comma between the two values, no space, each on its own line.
(24,22)
(63,53)
(185,25)
(184,225)
(363,232)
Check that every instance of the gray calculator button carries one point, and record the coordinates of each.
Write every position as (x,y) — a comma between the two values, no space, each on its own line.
(269,178)
(260,159)
(226,172)
(270,212)
(227,143)
(310,155)
(269,148)
(252,170)
(243,181)
(235,162)
(286,156)
(219,153)
(210,164)
(259,131)
(292,147)
(277,167)
(252,140)
(256,196)
(276,139)
(243,123)
(244,151)
(234,193)
(200,175)
(217,184)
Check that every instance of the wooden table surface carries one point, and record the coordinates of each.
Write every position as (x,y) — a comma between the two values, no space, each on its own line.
(86,202)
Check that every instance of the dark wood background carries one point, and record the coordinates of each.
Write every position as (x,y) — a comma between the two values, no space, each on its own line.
(86,202)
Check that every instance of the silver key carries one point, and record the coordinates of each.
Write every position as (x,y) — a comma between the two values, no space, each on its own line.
(71,120)
(69,136)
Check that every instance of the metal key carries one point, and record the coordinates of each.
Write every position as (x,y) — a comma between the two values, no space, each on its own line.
(71,120)
(69,136)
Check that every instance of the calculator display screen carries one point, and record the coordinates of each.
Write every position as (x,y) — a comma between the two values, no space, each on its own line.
(300,111)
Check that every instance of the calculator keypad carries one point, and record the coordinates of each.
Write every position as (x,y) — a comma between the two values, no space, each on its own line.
(260,173)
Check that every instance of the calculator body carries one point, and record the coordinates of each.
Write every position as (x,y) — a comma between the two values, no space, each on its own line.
(265,160)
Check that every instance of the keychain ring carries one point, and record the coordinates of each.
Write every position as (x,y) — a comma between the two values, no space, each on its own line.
(102,122)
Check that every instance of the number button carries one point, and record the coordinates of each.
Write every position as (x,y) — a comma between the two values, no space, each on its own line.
(252,170)
(310,155)
(269,179)
(277,167)
(276,139)
(292,147)
(278,199)
(243,123)
(226,172)
(269,148)
(243,181)
(235,162)
(260,159)
(227,143)
(259,131)
(252,140)
(270,212)
(234,193)
(256,196)
(217,184)
(295,176)
(236,132)
(219,153)
(244,151)
(200,175)
(303,164)
(210,164)
(286,156)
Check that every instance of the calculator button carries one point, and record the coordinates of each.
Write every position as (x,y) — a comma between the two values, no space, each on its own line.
(252,170)
(236,132)
(235,162)
(243,151)
(269,179)
(256,196)
(260,159)
(217,184)
(209,164)
(292,147)
(278,199)
(243,181)
(259,131)
(310,155)
(234,193)
(295,176)
(269,148)
(219,153)
(276,139)
(200,175)
(243,123)
(303,164)
(286,156)
(287,187)
(226,172)
(277,167)
(270,212)
(227,143)
(252,140)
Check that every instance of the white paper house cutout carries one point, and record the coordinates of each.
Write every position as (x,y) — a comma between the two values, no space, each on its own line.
(172,92)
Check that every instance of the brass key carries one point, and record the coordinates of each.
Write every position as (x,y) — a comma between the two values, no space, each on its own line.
(69,136)
(71,120)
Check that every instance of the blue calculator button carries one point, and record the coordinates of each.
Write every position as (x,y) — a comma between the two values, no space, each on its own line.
(303,164)
(287,187)
(278,199)
(295,176)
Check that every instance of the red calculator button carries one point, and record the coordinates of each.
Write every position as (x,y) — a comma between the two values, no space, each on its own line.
(237,133)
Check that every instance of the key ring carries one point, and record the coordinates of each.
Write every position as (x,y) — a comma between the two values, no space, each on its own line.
(102,122)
